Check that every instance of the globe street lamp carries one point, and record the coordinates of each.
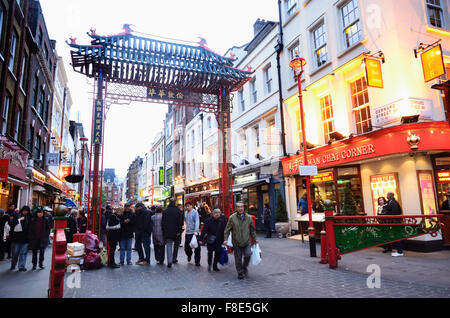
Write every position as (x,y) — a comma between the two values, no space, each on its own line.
(297,65)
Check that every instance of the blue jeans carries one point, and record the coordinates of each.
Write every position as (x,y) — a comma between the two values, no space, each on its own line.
(143,239)
(19,253)
(169,248)
(125,245)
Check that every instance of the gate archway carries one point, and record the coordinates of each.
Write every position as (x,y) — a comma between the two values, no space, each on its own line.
(129,67)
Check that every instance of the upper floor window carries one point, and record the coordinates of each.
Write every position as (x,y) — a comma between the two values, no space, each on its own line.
(435,13)
(241,100)
(253,92)
(1,21)
(268,78)
(291,7)
(41,109)
(22,74)
(352,25)
(35,92)
(360,105)
(294,51)
(326,108)
(12,52)
(320,44)
(18,125)
(257,143)
(5,114)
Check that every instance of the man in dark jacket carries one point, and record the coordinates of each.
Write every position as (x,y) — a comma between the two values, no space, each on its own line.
(393,208)
(214,229)
(19,224)
(9,212)
(72,225)
(143,229)
(114,235)
(103,222)
(127,223)
(171,226)
(39,232)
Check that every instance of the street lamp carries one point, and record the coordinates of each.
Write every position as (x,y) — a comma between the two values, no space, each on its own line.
(83,144)
(153,184)
(297,65)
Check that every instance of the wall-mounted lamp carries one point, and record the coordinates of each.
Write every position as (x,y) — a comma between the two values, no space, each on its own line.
(410,119)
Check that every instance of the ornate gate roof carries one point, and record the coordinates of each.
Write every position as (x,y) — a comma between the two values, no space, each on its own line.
(133,60)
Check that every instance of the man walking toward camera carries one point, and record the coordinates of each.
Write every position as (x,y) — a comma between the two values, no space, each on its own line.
(242,228)
(192,220)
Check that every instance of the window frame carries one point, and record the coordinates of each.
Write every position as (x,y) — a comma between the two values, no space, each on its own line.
(361,107)
(268,78)
(323,46)
(437,8)
(356,22)
(12,51)
(5,113)
(253,91)
(325,120)
(290,10)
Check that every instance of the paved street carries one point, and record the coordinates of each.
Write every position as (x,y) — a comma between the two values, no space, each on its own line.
(286,271)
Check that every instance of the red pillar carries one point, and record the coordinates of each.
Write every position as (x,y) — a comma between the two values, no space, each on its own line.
(331,240)
(58,269)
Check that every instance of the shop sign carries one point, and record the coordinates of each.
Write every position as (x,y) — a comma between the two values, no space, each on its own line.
(444,176)
(308,170)
(164,94)
(373,73)
(432,63)
(246,178)
(52,159)
(427,193)
(323,177)
(65,171)
(98,123)
(166,192)
(161,175)
(394,112)
(4,167)
(17,157)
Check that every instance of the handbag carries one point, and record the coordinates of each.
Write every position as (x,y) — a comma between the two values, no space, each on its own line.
(211,239)
(18,227)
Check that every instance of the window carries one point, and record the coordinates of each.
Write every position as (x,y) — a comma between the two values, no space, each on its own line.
(5,114)
(43,151)
(37,148)
(1,22)
(193,138)
(294,51)
(299,127)
(434,11)
(352,25)
(253,92)
(256,129)
(12,52)
(320,45)
(241,100)
(271,130)
(31,139)
(18,125)
(361,107)
(39,37)
(35,91)
(268,78)
(41,103)
(243,150)
(326,108)
(291,7)
(47,108)
(208,123)
(22,75)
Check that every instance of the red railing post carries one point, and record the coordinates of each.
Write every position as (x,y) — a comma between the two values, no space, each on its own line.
(331,240)
(58,269)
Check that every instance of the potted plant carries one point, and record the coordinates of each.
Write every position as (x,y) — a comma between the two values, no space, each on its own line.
(281,218)
(349,207)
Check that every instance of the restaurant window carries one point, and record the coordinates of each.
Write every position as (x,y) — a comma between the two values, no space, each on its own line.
(351,23)
(294,51)
(442,176)
(320,45)
(381,185)
(326,107)
(360,105)
(298,128)
(322,188)
(349,177)
(435,13)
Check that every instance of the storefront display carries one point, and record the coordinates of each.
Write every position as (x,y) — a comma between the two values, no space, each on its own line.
(381,185)
(427,195)
(442,176)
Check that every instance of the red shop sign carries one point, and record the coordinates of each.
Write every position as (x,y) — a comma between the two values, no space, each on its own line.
(16,156)
(389,141)
(4,167)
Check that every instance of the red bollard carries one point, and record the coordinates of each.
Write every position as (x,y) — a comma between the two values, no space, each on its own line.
(323,248)
(331,240)
(58,269)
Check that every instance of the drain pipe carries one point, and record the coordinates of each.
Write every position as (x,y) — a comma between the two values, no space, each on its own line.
(279,48)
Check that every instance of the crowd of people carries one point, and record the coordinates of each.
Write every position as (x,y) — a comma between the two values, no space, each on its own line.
(166,227)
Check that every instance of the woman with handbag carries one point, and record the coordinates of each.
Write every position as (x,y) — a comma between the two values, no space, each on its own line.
(114,233)
(214,229)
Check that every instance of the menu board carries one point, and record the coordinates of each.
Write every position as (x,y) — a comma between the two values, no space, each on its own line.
(427,192)
(381,185)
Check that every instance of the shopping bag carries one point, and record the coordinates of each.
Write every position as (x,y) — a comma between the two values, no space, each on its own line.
(230,244)
(194,243)
(92,261)
(256,254)
(18,227)
(223,260)
(90,242)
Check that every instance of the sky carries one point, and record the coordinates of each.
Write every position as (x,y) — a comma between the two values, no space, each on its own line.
(130,129)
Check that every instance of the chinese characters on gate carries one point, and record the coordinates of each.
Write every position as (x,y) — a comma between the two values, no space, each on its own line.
(98,122)
(165,94)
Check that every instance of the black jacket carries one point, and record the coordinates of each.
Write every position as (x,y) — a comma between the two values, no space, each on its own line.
(171,223)
(82,224)
(114,235)
(72,224)
(127,229)
(103,222)
(445,205)
(143,221)
(41,241)
(214,227)
(20,237)
(393,208)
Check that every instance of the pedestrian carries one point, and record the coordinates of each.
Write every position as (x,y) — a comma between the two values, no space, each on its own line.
(302,206)
(10,211)
(446,204)
(158,237)
(192,221)
(114,235)
(203,215)
(143,229)
(213,230)
(152,210)
(81,222)
(72,225)
(180,237)
(3,221)
(48,214)
(242,229)
(19,224)
(103,223)
(171,227)
(40,228)
(393,208)
(382,202)
(127,223)
(267,217)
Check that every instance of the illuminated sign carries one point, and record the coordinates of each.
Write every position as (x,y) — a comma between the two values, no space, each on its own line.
(98,122)
(381,185)
(65,171)
(166,94)
(444,176)
(427,192)
(433,63)
(323,177)
(373,73)
(393,112)
(161,175)
(4,167)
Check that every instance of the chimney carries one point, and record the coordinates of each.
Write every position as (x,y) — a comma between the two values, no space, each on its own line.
(258,26)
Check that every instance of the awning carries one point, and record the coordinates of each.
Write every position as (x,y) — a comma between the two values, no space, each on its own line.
(200,194)
(17,182)
(250,184)
(70,204)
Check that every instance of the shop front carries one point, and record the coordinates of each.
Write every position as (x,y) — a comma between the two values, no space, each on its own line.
(368,167)
(13,180)
(207,192)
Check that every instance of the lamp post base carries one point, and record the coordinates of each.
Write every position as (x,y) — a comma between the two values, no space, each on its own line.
(312,243)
